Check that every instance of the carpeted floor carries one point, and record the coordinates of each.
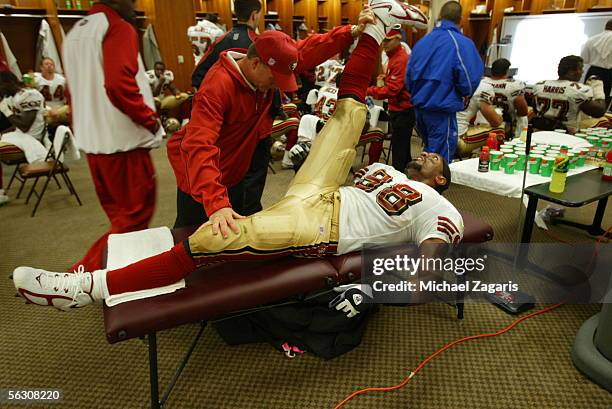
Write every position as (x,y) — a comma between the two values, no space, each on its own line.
(529,367)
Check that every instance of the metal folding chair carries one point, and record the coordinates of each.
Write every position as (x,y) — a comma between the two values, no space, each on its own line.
(51,167)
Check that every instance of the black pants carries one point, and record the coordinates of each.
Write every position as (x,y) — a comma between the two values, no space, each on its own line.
(245,196)
(606,77)
(403,124)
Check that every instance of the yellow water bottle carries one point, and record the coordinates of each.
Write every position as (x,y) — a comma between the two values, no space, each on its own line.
(559,174)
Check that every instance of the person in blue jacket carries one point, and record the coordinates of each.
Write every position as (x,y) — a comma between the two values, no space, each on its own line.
(444,71)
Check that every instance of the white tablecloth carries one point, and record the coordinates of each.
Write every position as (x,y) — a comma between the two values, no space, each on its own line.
(466,173)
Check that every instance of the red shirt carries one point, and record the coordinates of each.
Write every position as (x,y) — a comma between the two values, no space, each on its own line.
(394,90)
(214,150)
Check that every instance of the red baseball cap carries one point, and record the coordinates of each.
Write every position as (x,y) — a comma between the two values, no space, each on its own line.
(278,51)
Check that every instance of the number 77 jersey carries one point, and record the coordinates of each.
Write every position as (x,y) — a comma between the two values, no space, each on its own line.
(385,207)
(561,100)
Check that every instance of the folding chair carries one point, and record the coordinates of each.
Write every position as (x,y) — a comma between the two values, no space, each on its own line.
(11,155)
(50,167)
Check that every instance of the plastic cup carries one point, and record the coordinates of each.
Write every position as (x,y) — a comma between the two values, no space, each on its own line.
(495,160)
(580,157)
(546,166)
(537,152)
(593,140)
(606,143)
(506,151)
(520,163)
(572,160)
(560,131)
(511,160)
(533,164)
(581,135)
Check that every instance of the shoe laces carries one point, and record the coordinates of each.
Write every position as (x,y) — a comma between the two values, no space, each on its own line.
(70,284)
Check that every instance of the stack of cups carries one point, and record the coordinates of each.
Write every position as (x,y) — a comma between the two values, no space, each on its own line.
(534,162)
(495,160)
(509,161)
(546,166)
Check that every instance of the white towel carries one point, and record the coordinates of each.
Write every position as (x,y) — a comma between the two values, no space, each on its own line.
(10,57)
(71,150)
(46,47)
(128,248)
(34,150)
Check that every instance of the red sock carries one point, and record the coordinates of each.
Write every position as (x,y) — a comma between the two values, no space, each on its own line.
(359,68)
(157,271)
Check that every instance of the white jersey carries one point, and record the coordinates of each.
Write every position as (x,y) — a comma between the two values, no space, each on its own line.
(506,91)
(561,100)
(29,99)
(327,72)
(323,101)
(154,81)
(385,207)
(53,90)
(484,93)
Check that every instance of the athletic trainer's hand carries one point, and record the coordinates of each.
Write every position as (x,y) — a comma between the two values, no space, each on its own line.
(224,218)
(365,17)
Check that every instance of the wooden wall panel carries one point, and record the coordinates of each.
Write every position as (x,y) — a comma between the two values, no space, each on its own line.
(308,9)
(170,21)
(223,8)
(22,34)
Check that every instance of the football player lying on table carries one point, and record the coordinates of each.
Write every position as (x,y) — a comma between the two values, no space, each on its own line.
(317,217)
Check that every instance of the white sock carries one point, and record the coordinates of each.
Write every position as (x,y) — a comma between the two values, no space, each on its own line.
(376,31)
(99,291)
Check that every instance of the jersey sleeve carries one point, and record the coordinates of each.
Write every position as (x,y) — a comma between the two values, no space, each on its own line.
(32,100)
(446,225)
(486,93)
(580,93)
(517,88)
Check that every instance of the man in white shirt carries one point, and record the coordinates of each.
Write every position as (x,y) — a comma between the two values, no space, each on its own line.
(597,52)
(23,107)
(53,87)
(473,131)
(558,103)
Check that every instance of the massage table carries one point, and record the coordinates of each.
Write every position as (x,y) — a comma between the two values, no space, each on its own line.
(228,289)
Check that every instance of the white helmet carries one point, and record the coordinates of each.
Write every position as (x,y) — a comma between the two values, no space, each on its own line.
(201,36)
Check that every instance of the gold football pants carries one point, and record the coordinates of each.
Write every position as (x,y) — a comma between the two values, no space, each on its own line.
(305,221)
(475,137)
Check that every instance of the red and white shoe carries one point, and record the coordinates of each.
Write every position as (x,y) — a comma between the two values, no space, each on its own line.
(63,291)
(391,12)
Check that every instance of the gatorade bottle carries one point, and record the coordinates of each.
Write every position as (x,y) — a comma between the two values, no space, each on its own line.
(523,135)
(483,160)
(560,168)
(68,4)
(78,5)
(607,168)
(492,142)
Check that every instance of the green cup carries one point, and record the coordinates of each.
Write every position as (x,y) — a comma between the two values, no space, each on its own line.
(533,164)
(581,135)
(593,140)
(560,131)
(572,160)
(510,163)
(546,166)
(537,152)
(580,157)
(606,143)
(520,163)
(496,159)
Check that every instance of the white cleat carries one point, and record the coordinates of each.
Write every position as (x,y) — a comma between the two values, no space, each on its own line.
(63,291)
(391,12)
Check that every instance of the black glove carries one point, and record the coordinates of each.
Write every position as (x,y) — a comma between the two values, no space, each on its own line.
(351,299)
(299,152)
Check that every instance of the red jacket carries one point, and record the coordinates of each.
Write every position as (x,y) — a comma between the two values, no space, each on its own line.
(214,150)
(394,90)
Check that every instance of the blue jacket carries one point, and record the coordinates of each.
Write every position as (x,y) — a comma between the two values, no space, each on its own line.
(444,68)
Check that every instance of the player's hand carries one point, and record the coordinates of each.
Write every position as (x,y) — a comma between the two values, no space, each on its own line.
(5,108)
(365,17)
(224,218)
(598,87)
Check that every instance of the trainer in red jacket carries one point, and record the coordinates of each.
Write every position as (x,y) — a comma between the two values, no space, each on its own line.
(230,115)
(398,97)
